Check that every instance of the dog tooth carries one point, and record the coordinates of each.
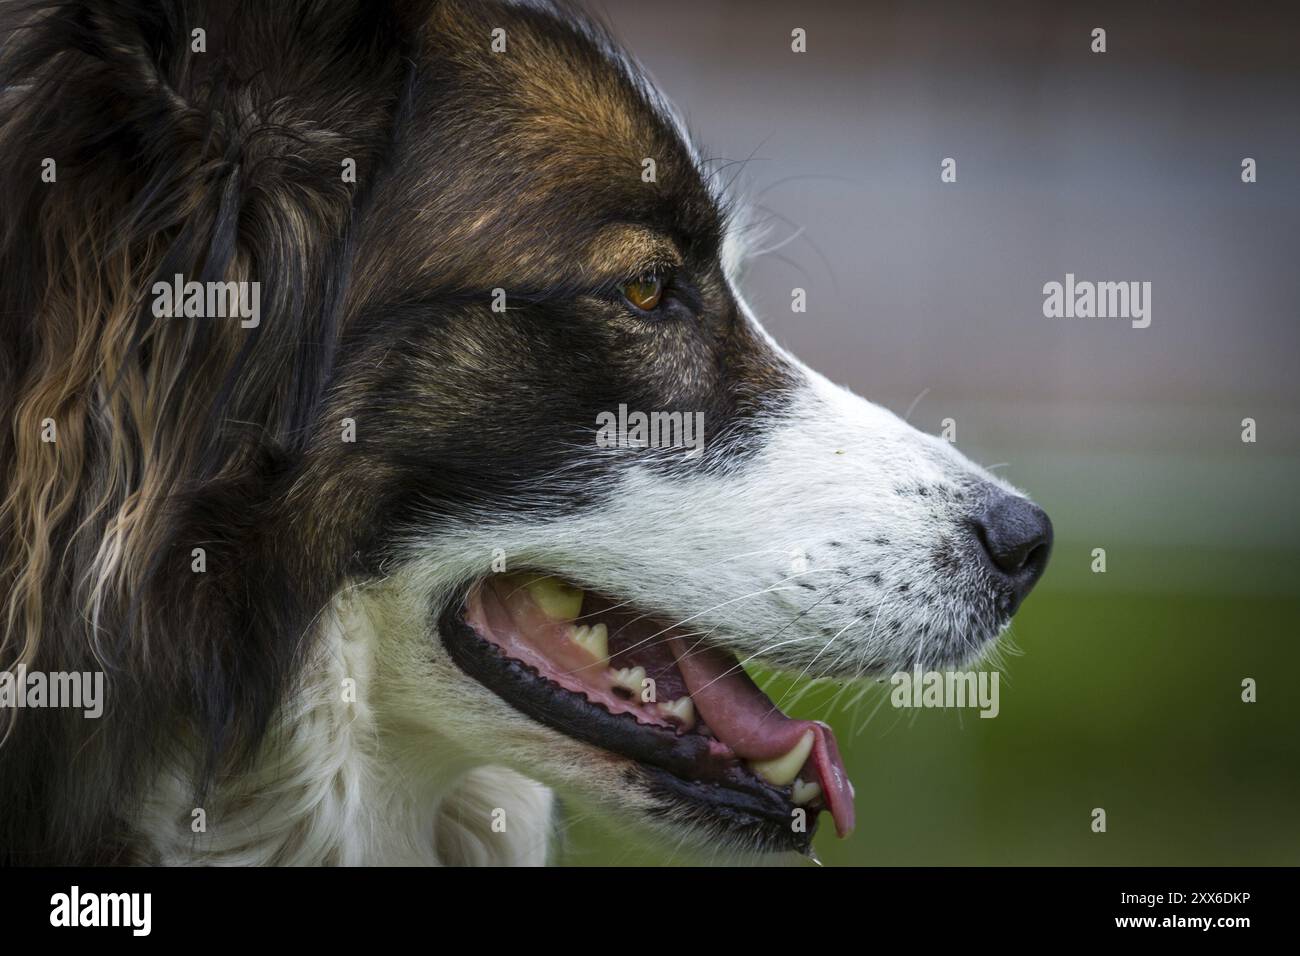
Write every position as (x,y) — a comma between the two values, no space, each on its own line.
(781,771)
(594,640)
(558,600)
(805,793)
(683,708)
(629,678)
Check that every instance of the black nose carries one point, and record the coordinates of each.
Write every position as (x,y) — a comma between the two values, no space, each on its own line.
(1017,537)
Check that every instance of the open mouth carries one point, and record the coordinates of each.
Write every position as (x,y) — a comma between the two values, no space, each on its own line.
(704,737)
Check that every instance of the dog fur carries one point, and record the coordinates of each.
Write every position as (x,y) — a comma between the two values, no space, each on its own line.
(327,561)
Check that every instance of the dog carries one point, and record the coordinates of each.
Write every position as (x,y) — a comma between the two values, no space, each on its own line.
(373,577)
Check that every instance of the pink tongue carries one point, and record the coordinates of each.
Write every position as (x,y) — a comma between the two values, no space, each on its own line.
(748,722)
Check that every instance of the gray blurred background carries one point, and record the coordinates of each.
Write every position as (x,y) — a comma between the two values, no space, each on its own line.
(928,296)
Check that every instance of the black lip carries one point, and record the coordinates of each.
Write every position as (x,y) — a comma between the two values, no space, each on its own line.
(679,769)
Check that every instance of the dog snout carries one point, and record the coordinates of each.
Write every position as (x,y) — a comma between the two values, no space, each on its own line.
(1016,537)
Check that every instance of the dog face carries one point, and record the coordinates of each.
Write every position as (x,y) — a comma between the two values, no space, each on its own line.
(441,435)
(583,612)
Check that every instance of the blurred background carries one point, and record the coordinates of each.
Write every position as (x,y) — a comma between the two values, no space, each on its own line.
(1119,690)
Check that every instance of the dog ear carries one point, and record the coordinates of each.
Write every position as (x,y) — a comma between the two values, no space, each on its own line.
(184,74)
(215,140)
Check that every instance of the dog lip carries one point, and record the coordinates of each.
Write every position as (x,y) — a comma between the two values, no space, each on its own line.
(683,768)
(743,716)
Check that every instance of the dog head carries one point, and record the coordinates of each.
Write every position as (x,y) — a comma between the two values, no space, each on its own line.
(504,391)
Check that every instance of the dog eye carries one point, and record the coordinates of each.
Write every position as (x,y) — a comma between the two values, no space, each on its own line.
(645,292)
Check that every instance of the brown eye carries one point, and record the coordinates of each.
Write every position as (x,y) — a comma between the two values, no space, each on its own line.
(645,292)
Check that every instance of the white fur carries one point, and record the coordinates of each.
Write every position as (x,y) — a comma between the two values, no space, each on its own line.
(355,783)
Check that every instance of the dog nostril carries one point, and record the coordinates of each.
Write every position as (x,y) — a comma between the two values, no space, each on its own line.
(1017,536)
(1012,555)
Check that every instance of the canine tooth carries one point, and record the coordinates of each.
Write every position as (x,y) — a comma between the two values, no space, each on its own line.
(559,600)
(781,771)
(629,678)
(683,708)
(594,640)
(805,792)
